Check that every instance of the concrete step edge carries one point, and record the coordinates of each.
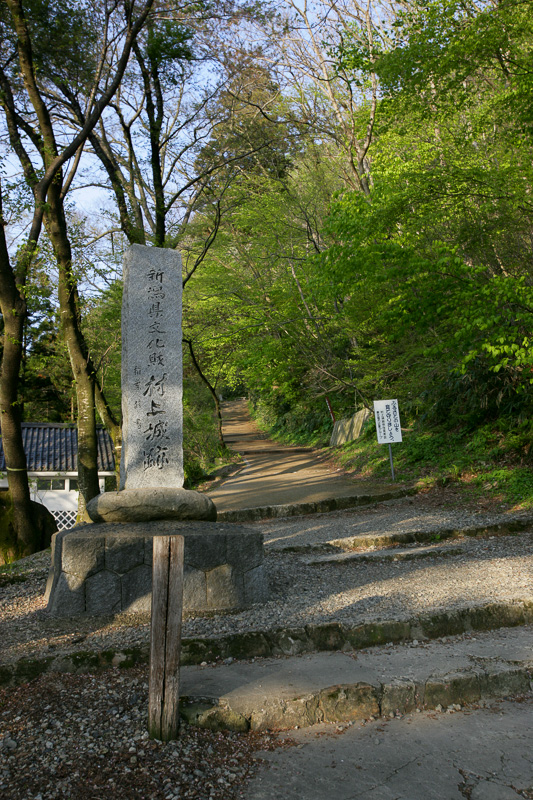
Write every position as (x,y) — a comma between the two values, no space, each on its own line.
(314,638)
(355,702)
(268,451)
(362,542)
(315,507)
(389,554)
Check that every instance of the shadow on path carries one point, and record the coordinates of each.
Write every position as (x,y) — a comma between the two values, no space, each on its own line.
(274,474)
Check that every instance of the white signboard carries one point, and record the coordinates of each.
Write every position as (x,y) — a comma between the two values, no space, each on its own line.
(387,417)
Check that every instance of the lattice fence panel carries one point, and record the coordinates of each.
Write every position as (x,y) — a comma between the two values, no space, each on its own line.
(64,519)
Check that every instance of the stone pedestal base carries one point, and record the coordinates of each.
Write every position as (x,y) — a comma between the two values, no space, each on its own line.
(146,505)
(107,569)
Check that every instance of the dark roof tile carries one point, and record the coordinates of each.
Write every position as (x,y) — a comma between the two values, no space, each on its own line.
(53,447)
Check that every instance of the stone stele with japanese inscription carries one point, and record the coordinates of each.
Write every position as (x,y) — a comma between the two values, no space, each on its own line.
(106,568)
(152,395)
(151,469)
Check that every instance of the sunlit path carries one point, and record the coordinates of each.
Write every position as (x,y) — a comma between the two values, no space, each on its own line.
(274,474)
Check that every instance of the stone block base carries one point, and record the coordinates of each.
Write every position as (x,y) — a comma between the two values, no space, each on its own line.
(107,569)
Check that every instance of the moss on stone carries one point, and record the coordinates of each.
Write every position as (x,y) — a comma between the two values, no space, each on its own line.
(496,615)
(10,549)
(376,633)
(383,632)
(85,660)
(248,645)
(6,675)
(528,611)
(27,669)
(134,656)
(289,642)
(445,624)
(191,711)
(8,580)
(329,636)
(8,540)
(454,688)
(348,702)
(220,719)
(194,651)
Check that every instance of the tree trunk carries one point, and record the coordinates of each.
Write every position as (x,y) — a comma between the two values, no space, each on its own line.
(212,390)
(88,483)
(14,312)
(82,368)
(26,532)
(112,426)
(47,188)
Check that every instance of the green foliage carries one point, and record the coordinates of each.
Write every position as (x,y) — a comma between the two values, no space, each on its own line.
(102,331)
(434,271)
(421,289)
(166,43)
(252,143)
(257,311)
(304,422)
(46,390)
(64,40)
(487,462)
(201,448)
(461,50)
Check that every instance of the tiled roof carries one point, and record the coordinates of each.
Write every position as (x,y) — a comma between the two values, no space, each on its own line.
(54,447)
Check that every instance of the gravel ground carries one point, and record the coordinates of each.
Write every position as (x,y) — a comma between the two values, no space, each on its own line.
(83,737)
(419,513)
(476,571)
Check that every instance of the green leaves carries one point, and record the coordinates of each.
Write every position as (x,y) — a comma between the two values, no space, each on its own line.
(168,42)
(443,247)
(64,39)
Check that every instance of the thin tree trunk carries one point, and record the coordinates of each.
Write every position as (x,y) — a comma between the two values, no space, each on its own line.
(88,482)
(81,366)
(47,189)
(14,312)
(112,426)
(26,532)
(211,389)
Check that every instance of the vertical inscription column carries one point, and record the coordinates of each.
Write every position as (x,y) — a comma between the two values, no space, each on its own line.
(152,386)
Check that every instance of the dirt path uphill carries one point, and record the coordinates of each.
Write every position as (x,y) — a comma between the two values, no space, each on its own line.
(274,474)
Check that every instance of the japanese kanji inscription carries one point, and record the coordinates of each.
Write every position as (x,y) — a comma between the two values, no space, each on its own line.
(152,452)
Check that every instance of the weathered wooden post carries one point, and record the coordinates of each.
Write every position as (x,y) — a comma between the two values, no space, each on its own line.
(165,637)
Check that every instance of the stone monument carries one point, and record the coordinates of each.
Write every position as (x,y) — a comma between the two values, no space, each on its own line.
(151,468)
(105,567)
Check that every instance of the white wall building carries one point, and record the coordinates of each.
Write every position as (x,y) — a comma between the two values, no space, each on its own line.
(51,453)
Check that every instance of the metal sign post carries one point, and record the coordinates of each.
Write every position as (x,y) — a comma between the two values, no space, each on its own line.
(387,416)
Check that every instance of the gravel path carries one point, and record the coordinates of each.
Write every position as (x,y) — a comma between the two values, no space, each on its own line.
(418,513)
(272,473)
(476,571)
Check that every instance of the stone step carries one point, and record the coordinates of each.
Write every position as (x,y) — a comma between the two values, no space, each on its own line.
(273,694)
(316,507)
(281,642)
(253,443)
(390,538)
(245,450)
(390,554)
